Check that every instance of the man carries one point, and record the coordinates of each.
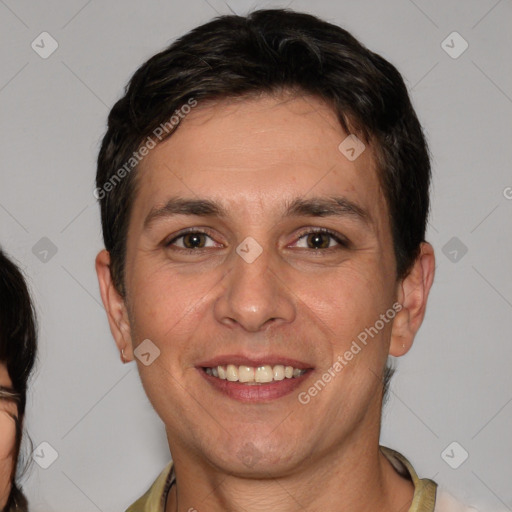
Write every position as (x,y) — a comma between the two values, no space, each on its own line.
(264,192)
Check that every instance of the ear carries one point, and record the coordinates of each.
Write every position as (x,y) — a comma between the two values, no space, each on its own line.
(413,293)
(114,306)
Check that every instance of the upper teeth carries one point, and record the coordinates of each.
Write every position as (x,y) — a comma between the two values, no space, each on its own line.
(264,373)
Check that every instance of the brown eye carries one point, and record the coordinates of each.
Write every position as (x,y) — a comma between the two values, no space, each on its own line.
(318,240)
(191,240)
(321,239)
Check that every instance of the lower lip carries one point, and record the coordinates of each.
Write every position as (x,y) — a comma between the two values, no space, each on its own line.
(256,392)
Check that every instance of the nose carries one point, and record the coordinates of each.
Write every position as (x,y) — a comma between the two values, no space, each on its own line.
(255,294)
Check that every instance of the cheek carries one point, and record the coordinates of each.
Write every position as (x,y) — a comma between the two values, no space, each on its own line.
(5,480)
(164,298)
(350,295)
(170,309)
(346,305)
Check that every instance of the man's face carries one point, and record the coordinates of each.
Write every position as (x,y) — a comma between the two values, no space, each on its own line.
(301,302)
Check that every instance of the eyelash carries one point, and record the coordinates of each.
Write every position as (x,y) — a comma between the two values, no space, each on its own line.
(343,243)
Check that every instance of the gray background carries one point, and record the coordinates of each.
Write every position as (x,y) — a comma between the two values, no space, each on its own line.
(455,384)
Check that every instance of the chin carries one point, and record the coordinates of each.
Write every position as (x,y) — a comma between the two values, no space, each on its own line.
(256,457)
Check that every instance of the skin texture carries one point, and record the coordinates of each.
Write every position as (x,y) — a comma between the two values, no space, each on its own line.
(7,439)
(253,156)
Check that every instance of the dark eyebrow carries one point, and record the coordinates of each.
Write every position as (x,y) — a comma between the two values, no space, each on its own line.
(333,206)
(184,206)
(313,207)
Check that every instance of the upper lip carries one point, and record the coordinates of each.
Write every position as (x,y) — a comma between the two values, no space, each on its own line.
(241,360)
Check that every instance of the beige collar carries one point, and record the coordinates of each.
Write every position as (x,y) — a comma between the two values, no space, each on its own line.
(424,498)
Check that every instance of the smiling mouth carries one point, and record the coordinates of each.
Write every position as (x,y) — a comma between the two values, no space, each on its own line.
(252,375)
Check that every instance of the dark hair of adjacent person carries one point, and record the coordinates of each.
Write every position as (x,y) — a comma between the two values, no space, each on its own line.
(270,52)
(18,341)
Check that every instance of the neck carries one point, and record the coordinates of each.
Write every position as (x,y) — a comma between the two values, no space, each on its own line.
(355,477)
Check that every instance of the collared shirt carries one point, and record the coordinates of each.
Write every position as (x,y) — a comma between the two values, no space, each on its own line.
(424,499)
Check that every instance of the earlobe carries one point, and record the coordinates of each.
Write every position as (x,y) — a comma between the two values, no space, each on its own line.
(115,307)
(412,295)
(401,339)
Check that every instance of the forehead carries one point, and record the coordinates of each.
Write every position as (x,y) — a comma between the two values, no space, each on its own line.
(258,151)
(5,379)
